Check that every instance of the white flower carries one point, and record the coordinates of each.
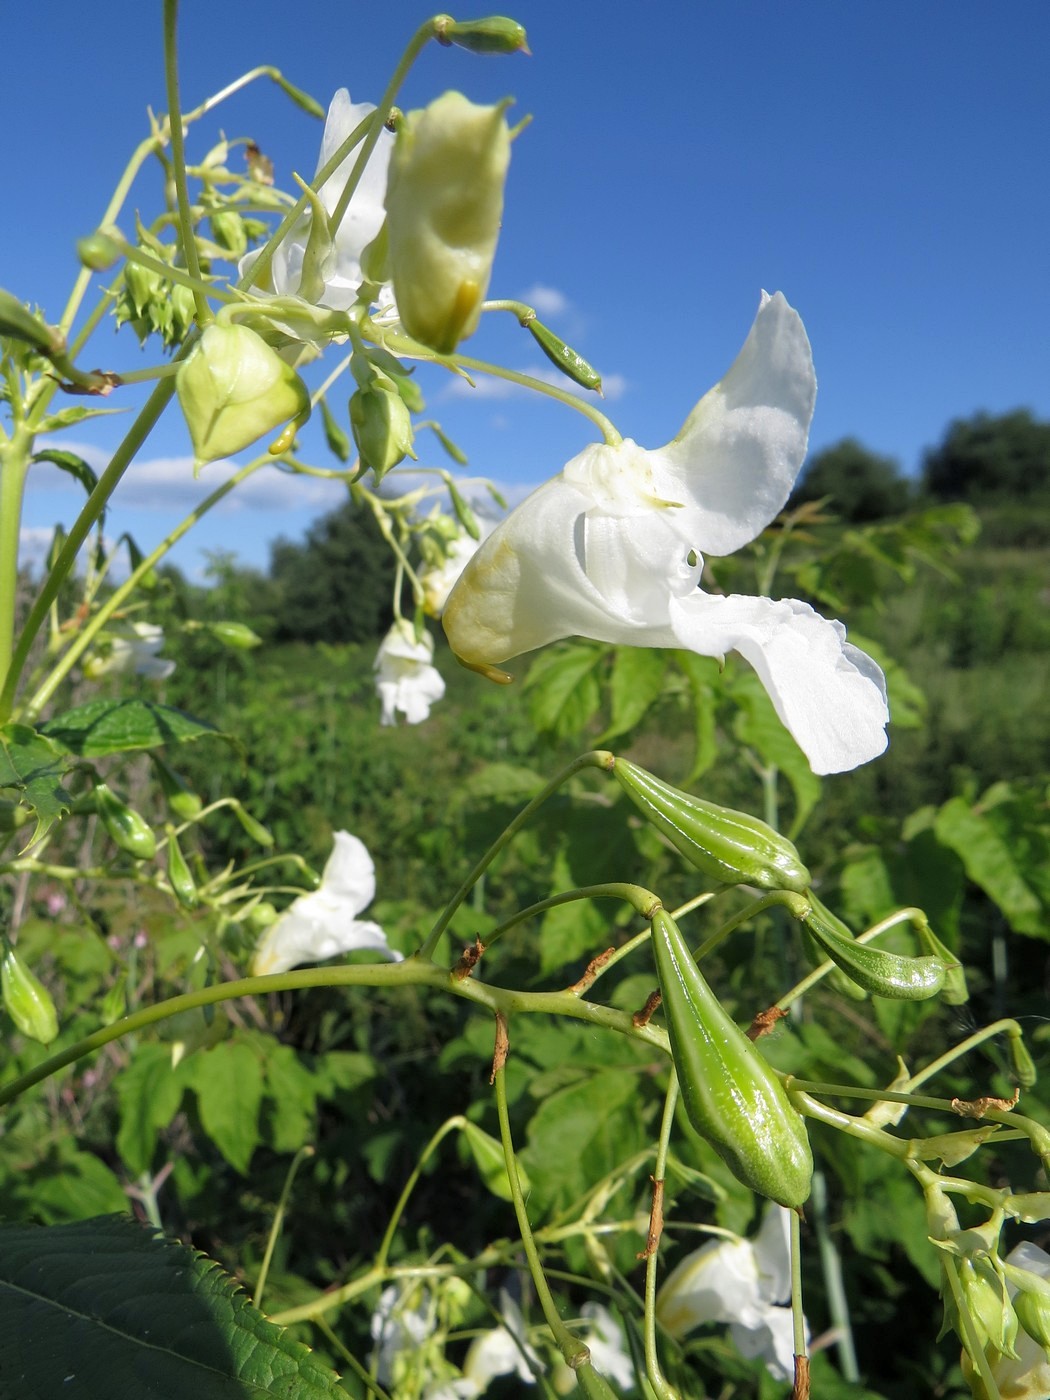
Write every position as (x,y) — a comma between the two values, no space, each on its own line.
(503,1351)
(612,549)
(398,1327)
(439,579)
(323,923)
(744,1283)
(1026,1376)
(133,650)
(341,272)
(604,1336)
(405,678)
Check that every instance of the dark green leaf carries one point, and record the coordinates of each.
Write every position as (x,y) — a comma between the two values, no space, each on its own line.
(149,1091)
(71,463)
(989,863)
(106,1308)
(564,689)
(36,767)
(116,726)
(228,1079)
(637,681)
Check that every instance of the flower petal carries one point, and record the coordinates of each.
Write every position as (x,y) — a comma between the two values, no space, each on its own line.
(315,927)
(830,695)
(350,872)
(737,456)
(771,1336)
(718,1283)
(773,1254)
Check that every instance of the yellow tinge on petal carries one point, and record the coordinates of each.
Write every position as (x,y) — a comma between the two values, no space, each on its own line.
(444,203)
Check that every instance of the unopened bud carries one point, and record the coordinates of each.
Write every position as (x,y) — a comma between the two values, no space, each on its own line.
(563,356)
(988,1304)
(444,204)
(99,251)
(182,800)
(26,999)
(233,389)
(126,828)
(179,876)
(495,34)
(235,635)
(1021,1061)
(255,829)
(337,440)
(381,425)
(731,847)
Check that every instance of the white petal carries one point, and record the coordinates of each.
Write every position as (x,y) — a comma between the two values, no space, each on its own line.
(773,1254)
(313,928)
(350,872)
(738,454)
(771,1337)
(830,695)
(605,1339)
(718,1283)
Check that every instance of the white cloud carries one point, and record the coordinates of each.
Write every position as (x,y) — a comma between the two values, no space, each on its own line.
(34,542)
(547,301)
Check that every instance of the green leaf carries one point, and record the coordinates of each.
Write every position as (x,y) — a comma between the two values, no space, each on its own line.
(759,726)
(571,931)
(149,1091)
(71,463)
(989,863)
(66,417)
(637,681)
(565,692)
(504,781)
(80,1184)
(36,767)
(229,1082)
(106,1307)
(116,726)
(703,675)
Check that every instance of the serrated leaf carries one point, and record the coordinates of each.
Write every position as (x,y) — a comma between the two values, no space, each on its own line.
(637,681)
(35,766)
(66,417)
(71,463)
(117,726)
(229,1082)
(106,1307)
(564,690)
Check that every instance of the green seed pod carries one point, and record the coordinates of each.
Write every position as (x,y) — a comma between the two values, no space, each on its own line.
(182,800)
(1033,1313)
(563,357)
(495,34)
(99,251)
(382,426)
(731,847)
(1021,1061)
(27,1000)
(881,973)
(179,876)
(733,1098)
(235,635)
(592,1385)
(254,829)
(233,389)
(124,825)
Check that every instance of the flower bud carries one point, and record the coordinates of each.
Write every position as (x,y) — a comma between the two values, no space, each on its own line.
(238,636)
(126,828)
(1033,1313)
(988,1304)
(182,800)
(255,829)
(179,876)
(495,34)
(727,846)
(26,999)
(877,971)
(732,1097)
(1021,1061)
(444,203)
(99,251)
(563,357)
(19,323)
(381,425)
(233,389)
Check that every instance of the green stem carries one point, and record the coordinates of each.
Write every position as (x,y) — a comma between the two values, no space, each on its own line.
(450,1125)
(609,432)
(641,900)
(178,157)
(798,1317)
(597,758)
(659,1383)
(278,1221)
(572,1349)
(14,468)
(792,902)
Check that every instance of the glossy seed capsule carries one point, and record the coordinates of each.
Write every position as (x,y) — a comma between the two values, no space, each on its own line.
(731,847)
(26,999)
(563,356)
(877,971)
(124,825)
(732,1097)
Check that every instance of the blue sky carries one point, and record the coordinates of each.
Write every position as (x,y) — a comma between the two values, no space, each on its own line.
(885,166)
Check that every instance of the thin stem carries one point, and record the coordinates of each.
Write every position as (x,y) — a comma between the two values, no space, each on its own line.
(572,1349)
(14,468)
(278,1221)
(637,896)
(663,1389)
(178,157)
(597,758)
(609,432)
(968,1333)
(798,1317)
(792,902)
(450,1125)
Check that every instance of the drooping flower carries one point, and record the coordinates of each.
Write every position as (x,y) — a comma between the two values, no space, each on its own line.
(323,923)
(405,678)
(742,1282)
(132,650)
(341,269)
(612,548)
(504,1350)
(439,578)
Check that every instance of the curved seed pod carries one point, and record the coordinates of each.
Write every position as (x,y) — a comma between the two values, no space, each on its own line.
(728,846)
(27,1000)
(1021,1061)
(732,1097)
(130,831)
(494,34)
(179,876)
(881,973)
(563,356)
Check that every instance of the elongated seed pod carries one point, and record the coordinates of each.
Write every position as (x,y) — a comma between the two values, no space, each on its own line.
(129,830)
(877,971)
(733,1098)
(728,846)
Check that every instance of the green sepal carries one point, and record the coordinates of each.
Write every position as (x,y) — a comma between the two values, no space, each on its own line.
(338,441)
(728,846)
(563,356)
(126,827)
(731,1095)
(27,1000)
(877,971)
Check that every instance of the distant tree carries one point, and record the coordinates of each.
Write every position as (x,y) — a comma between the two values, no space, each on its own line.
(986,457)
(861,484)
(336,586)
